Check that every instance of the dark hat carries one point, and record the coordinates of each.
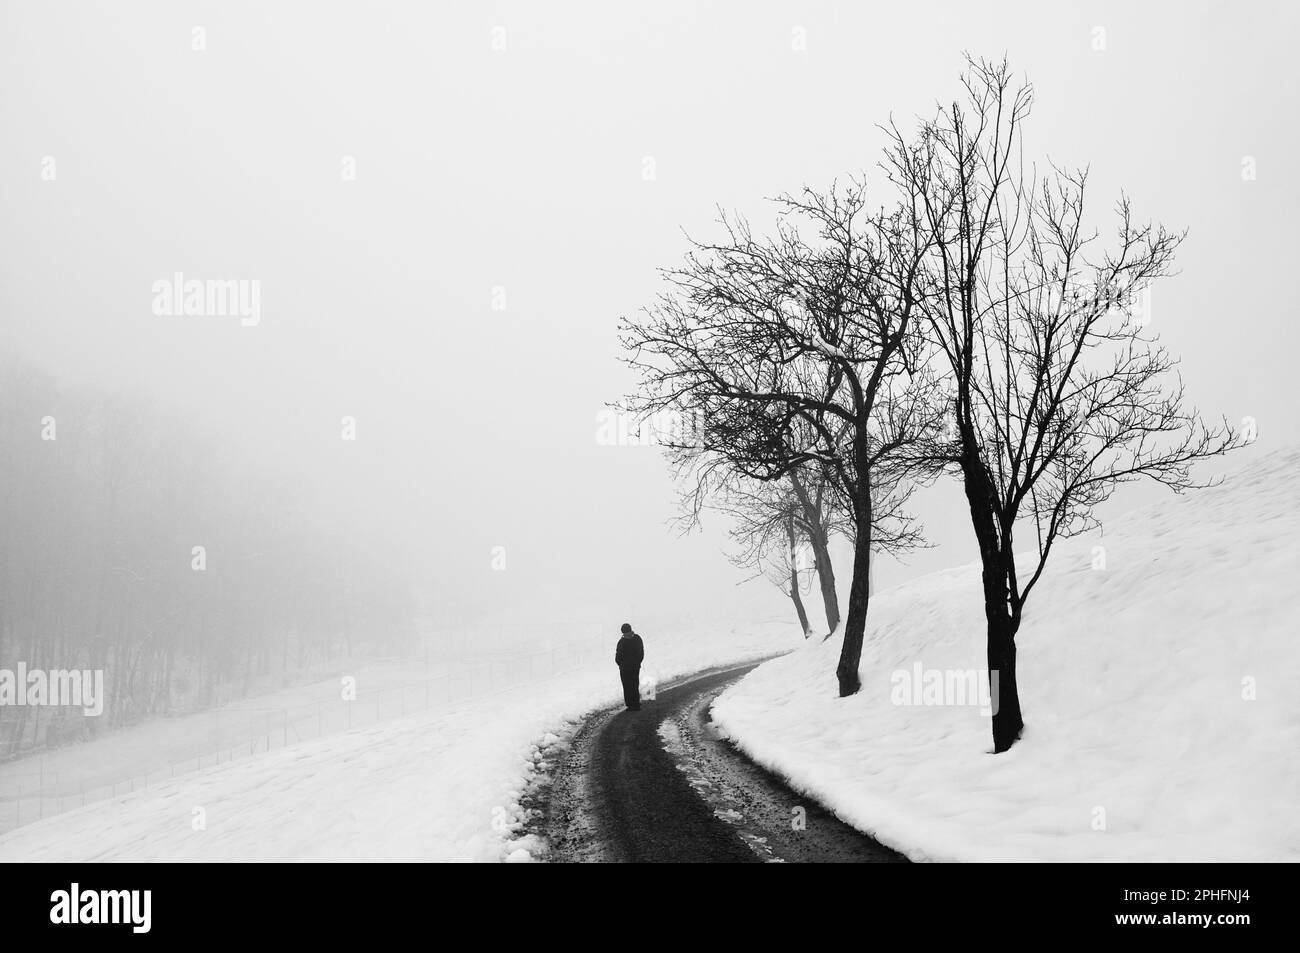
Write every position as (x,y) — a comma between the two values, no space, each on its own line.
(627,627)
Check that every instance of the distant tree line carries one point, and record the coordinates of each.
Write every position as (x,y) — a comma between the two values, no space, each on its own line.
(134,543)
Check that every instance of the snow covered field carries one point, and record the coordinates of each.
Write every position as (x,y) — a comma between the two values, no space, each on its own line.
(1158,671)
(1160,698)
(457,665)
(440,785)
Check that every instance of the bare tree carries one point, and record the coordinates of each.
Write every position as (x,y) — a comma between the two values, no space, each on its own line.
(792,351)
(770,541)
(1058,392)
(815,518)
(792,568)
(783,529)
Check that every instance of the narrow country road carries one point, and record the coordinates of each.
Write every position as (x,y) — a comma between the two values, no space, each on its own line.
(659,785)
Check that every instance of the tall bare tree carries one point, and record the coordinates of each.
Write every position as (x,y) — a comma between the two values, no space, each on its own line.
(1058,391)
(793,350)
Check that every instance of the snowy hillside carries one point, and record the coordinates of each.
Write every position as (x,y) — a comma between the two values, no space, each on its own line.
(440,785)
(1161,697)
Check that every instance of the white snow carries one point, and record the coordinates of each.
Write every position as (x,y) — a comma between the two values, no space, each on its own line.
(440,785)
(1141,741)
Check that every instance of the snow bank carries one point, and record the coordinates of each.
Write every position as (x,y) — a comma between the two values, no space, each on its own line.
(441,785)
(1160,680)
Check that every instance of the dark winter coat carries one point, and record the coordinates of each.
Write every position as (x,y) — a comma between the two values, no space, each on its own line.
(630,651)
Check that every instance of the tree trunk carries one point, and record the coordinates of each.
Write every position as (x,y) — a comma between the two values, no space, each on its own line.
(804,627)
(1003,691)
(859,597)
(795,597)
(996,565)
(814,517)
(826,580)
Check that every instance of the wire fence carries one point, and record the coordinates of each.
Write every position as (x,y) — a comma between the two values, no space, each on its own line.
(53,781)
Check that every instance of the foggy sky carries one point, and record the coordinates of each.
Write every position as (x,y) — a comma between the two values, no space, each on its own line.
(482,171)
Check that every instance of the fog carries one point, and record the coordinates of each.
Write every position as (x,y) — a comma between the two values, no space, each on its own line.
(447,209)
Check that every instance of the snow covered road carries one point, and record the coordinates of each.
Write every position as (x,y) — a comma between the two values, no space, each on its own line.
(660,785)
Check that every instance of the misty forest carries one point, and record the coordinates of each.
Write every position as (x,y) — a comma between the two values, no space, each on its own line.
(132,549)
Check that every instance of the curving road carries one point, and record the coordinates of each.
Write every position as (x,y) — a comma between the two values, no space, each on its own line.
(659,785)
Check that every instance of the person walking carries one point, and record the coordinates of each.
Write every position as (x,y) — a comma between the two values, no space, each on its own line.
(628,656)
